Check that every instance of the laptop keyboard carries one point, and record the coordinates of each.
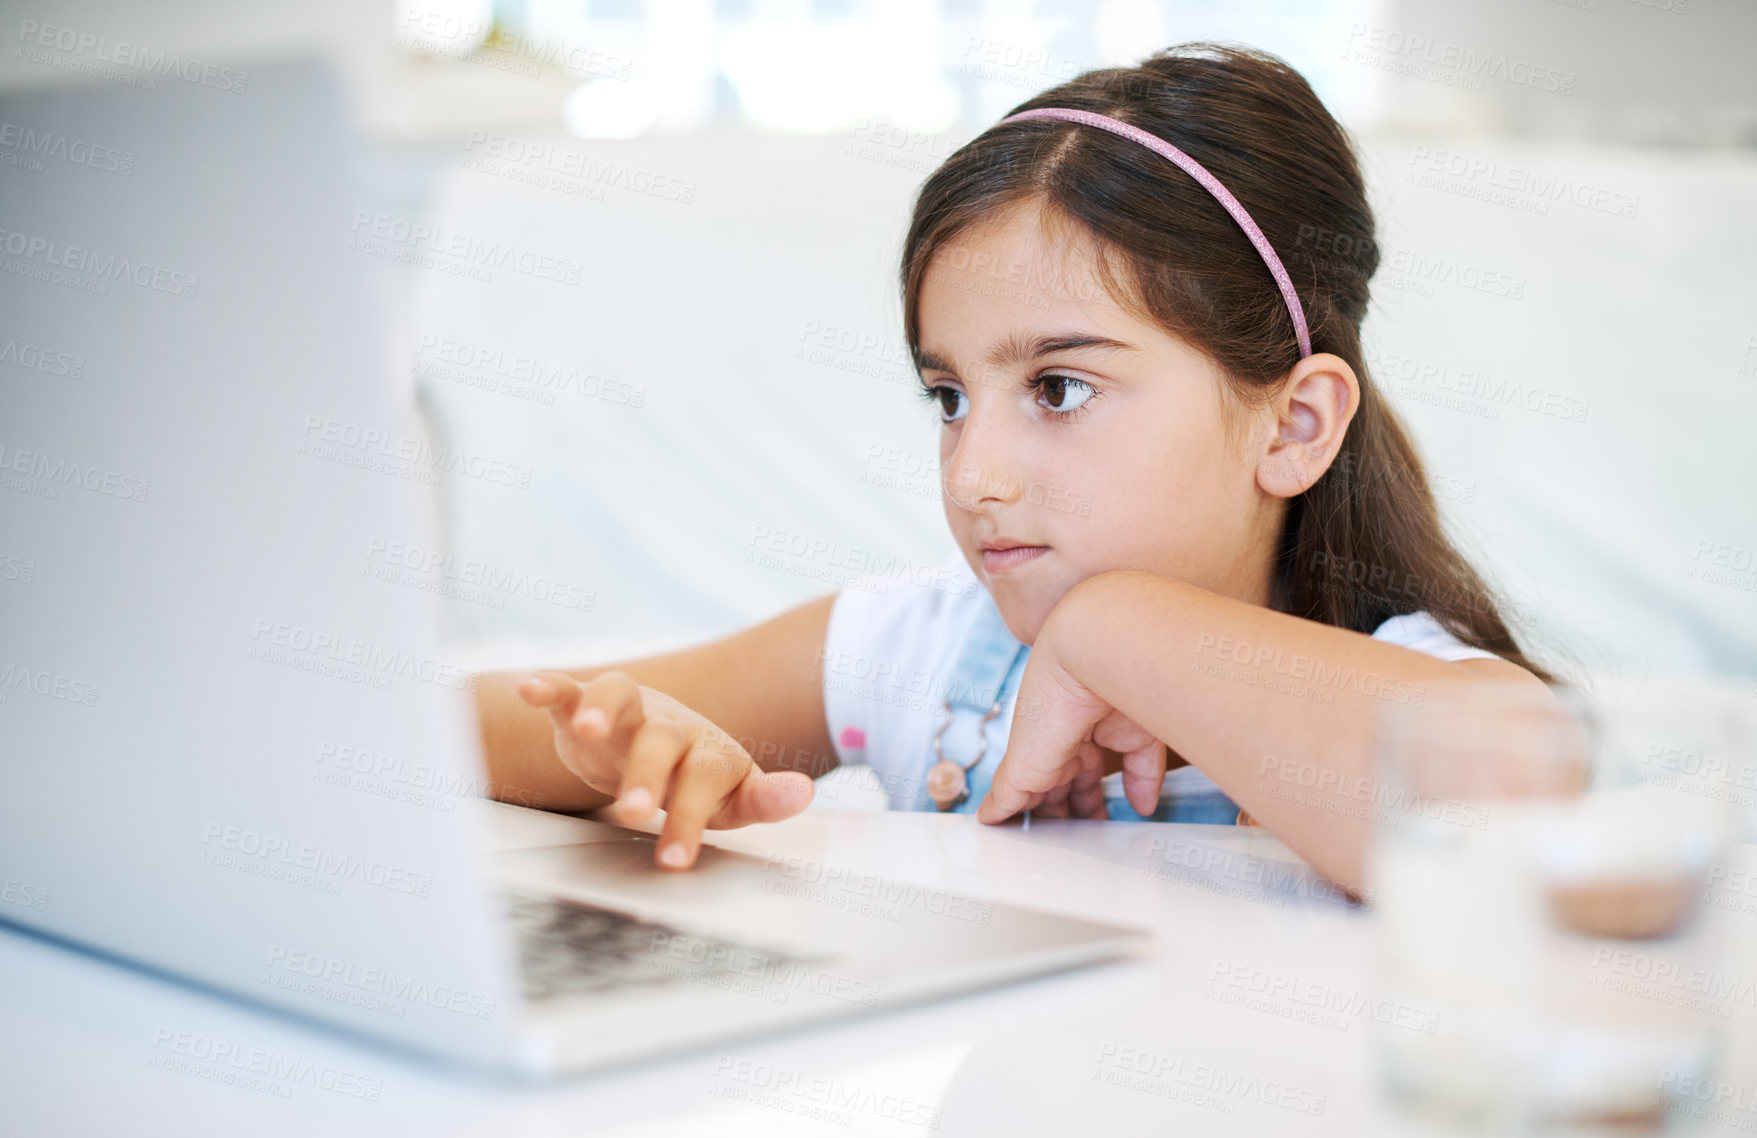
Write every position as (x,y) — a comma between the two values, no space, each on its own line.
(568,947)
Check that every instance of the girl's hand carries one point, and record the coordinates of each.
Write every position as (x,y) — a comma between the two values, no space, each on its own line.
(648,751)
(1054,756)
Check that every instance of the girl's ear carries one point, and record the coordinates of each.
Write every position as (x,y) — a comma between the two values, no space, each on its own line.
(1311,414)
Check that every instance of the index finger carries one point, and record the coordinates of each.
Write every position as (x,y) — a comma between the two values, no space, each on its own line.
(1021,785)
(1043,750)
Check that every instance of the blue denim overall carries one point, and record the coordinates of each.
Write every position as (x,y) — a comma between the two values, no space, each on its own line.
(984,681)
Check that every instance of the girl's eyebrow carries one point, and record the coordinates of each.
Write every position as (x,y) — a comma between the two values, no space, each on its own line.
(1018,349)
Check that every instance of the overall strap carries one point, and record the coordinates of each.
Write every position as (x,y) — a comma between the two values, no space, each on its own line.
(990,662)
(985,660)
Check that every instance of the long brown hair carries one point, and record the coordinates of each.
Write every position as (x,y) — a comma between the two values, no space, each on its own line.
(1364,543)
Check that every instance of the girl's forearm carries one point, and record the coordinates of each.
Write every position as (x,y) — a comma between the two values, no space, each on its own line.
(1277,710)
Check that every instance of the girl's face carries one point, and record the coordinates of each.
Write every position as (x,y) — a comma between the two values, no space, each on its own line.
(1078,438)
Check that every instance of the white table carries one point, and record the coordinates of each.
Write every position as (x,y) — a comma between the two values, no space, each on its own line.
(1233,910)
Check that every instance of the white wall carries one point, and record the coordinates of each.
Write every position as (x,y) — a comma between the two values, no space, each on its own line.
(1606,530)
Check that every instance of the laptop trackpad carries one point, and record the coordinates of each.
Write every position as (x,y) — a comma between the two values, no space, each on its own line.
(727,893)
(517,827)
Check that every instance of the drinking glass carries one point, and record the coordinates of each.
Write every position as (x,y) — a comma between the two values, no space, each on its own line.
(1539,876)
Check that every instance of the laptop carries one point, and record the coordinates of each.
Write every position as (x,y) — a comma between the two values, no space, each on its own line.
(236,754)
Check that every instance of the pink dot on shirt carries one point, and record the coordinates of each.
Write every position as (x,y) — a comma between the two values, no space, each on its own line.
(853,737)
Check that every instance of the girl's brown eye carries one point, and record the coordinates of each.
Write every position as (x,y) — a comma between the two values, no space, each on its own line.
(1064,393)
(948,399)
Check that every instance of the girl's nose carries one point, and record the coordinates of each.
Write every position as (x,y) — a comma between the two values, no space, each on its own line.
(979,475)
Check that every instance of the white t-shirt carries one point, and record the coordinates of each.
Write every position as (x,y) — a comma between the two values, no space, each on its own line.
(888,658)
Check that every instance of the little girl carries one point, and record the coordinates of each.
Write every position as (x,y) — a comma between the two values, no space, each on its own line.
(1193,534)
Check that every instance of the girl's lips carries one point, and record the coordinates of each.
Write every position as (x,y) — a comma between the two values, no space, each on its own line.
(1001,560)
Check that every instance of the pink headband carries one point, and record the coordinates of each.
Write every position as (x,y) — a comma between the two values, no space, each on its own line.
(1210,183)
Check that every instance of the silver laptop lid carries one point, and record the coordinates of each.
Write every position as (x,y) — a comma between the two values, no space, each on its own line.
(227,750)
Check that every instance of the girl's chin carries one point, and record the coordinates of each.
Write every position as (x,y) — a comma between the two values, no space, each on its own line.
(1024,616)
